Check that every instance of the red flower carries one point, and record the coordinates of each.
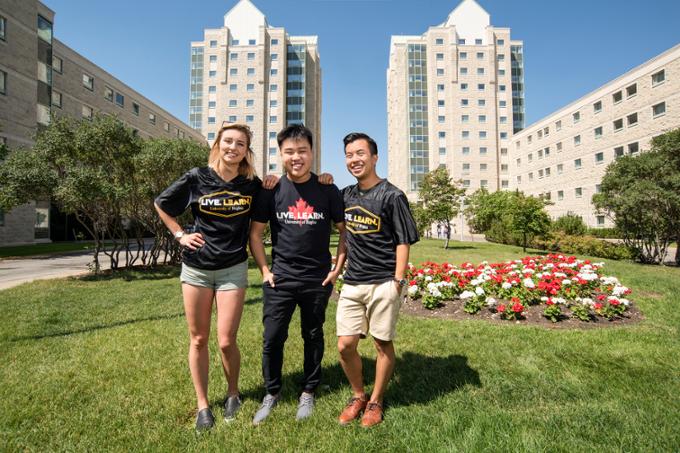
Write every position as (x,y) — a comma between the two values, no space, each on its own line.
(412,283)
(549,302)
(500,308)
(515,300)
(614,302)
(517,307)
(597,306)
(601,297)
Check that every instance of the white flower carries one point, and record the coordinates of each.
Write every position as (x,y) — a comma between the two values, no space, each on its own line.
(559,300)
(619,290)
(625,302)
(544,299)
(479,291)
(467,295)
(587,301)
(476,282)
(566,281)
(529,283)
(506,285)
(587,276)
(527,271)
(490,301)
(412,290)
(428,278)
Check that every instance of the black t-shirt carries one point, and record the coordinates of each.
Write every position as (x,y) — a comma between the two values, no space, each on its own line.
(221,213)
(377,220)
(300,216)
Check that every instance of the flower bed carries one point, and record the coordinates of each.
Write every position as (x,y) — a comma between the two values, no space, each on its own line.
(563,286)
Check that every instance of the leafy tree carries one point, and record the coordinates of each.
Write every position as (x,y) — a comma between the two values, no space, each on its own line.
(421,216)
(528,217)
(441,198)
(485,208)
(571,224)
(642,196)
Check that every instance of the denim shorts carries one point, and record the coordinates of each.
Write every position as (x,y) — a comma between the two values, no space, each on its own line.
(226,279)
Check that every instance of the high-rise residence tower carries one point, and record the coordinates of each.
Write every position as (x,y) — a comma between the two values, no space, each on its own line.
(250,72)
(455,96)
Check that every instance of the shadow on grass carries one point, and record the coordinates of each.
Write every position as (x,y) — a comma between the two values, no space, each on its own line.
(96,327)
(418,379)
(138,273)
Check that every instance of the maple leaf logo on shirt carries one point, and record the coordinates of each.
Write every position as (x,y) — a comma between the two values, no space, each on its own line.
(301,211)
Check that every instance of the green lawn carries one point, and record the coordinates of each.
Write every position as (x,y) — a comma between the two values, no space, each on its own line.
(92,365)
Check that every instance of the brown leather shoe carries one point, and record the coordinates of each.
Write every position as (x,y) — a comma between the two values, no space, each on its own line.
(372,415)
(354,407)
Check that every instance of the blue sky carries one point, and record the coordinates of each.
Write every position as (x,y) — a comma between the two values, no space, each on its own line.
(571,48)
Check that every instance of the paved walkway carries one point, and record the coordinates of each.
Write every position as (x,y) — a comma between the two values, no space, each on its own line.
(14,272)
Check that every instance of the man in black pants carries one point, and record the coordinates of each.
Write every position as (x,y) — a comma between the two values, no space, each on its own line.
(300,211)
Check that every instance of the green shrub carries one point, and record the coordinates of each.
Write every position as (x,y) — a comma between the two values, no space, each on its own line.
(583,245)
(604,233)
(571,224)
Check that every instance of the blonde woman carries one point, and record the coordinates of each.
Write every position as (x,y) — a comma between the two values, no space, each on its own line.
(215,260)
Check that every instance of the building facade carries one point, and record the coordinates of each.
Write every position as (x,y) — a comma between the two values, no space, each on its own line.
(41,77)
(563,156)
(455,96)
(250,72)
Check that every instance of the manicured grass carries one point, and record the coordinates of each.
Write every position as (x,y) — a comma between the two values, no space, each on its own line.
(44,249)
(101,365)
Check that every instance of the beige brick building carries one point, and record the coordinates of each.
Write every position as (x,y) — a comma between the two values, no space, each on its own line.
(250,72)
(564,155)
(40,77)
(455,96)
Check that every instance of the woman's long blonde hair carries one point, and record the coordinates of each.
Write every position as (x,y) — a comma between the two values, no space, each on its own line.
(246,167)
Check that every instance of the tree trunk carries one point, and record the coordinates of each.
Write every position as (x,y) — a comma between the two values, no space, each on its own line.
(524,242)
(677,250)
(448,234)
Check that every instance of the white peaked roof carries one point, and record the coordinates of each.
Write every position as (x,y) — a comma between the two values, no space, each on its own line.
(470,20)
(244,21)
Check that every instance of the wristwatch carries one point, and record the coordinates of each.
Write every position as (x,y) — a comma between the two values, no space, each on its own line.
(401,282)
(179,234)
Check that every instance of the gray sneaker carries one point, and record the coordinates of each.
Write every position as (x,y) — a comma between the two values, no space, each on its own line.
(305,406)
(231,407)
(266,407)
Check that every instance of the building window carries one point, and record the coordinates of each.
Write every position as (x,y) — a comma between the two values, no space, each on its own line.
(482,135)
(465,134)
(463,87)
(618,152)
(87,112)
(273,103)
(250,118)
(576,116)
(462,55)
(540,174)
(440,87)
(480,71)
(501,88)
(633,148)
(501,57)
(233,56)
(135,108)
(442,134)
(466,151)
(617,97)
(213,44)
(88,82)
(631,90)
(480,86)
(466,169)
(500,42)
(442,151)
(213,58)
(632,119)
(440,72)
(483,167)
(577,164)
(57,64)
(250,102)
(440,56)
(212,89)
(212,73)
(273,150)
(166,126)
(3,28)
(598,132)
(558,125)
(439,41)
(530,157)
(560,169)
(481,102)
(233,71)
(275,42)
(480,55)
(597,107)
(251,71)
(577,140)
(504,135)
(234,42)
(273,72)
(481,118)
(3,82)
(529,138)
(273,87)
(546,151)
(56,99)
(273,119)
(618,124)
(600,221)
(658,77)
(251,42)
(120,100)
(212,104)
(440,103)
(578,192)
(461,41)
(502,104)
(464,102)
(232,103)
(251,55)
(599,158)
(478,41)
(504,168)
(211,120)
(211,136)
(152,118)
(251,87)
(519,179)
(233,87)
(463,70)
(658,109)
(558,145)
(560,195)
(275,57)
(441,119)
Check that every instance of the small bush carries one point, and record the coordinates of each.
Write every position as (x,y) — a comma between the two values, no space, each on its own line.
(604,233)
(571,224)
(583,245)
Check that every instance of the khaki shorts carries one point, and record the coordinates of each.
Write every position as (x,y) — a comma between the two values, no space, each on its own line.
(371,308)
(227,279)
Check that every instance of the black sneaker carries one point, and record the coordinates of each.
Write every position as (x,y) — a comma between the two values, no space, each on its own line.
(204,420)
(231,407)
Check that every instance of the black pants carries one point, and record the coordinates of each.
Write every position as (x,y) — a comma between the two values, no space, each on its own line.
(279,305)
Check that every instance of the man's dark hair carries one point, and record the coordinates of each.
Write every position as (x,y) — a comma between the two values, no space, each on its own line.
(295,132)
(354,136)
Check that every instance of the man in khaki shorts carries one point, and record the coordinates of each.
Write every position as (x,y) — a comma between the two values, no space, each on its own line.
(379,232)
